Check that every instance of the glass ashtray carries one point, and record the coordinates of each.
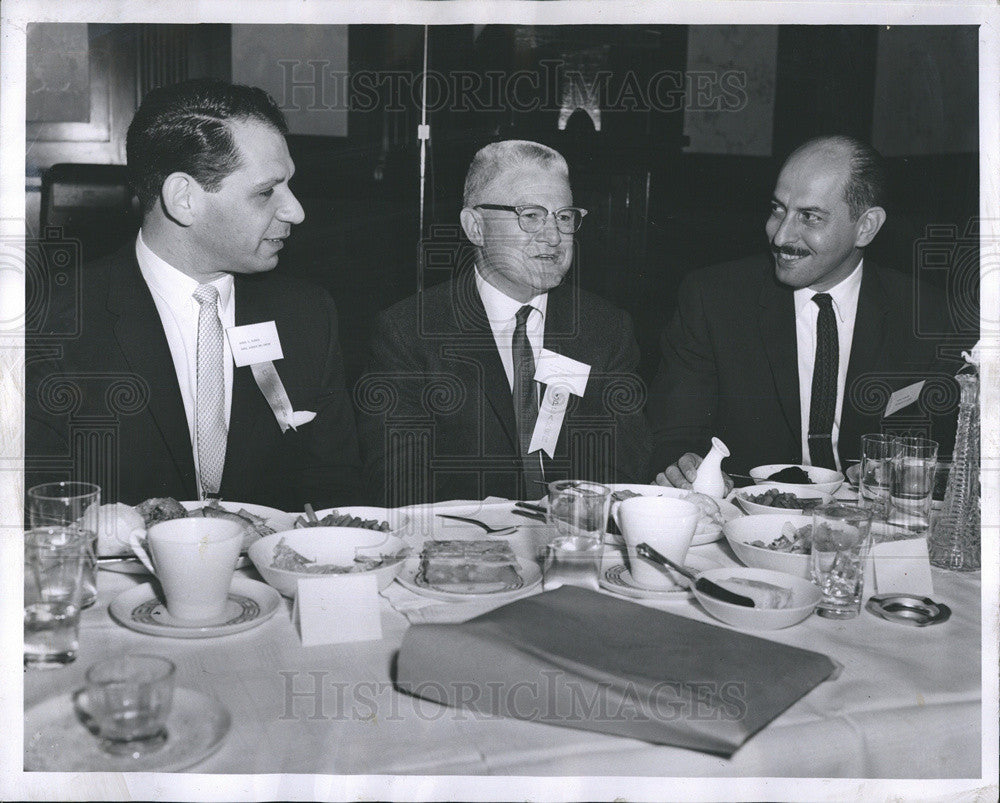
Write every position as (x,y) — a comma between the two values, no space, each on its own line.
(906,609)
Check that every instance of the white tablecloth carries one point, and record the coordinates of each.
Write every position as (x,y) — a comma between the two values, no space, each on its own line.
(906,705)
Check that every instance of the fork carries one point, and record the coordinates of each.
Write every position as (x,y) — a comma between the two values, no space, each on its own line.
(489,530)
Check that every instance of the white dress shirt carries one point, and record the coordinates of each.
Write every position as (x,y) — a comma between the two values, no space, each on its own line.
(845,308)
(173,295)
(500,311)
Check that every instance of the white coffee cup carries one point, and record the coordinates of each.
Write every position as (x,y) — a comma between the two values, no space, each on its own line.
(666,524)
(194,560)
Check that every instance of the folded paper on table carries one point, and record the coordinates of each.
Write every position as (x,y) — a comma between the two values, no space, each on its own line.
(580,659)
(903,567)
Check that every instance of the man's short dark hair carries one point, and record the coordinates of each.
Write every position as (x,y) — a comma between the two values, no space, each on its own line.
(185,128)
(867,183)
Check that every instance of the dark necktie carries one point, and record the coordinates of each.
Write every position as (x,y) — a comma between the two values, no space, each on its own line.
(823,402)
(525,401)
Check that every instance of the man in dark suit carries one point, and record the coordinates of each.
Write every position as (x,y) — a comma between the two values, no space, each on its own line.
(506,376)
(145,383)
(790,359)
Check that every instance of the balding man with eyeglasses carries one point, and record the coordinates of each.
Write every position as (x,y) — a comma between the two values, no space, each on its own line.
(508,375)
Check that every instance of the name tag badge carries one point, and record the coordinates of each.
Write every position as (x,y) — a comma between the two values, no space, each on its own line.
(903,398)
(562,376)
(254,343)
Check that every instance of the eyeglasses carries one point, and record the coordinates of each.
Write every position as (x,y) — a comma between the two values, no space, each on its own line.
(531,217)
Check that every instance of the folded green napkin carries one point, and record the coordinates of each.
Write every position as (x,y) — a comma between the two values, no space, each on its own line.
(579,659)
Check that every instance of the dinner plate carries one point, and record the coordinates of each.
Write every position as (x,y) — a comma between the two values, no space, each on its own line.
(616,578)
(275,519)
(530,575)
(57,737)
(707,535)
(250,603)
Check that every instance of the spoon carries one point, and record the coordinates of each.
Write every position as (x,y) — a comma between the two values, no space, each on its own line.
(703,584)
(489,530)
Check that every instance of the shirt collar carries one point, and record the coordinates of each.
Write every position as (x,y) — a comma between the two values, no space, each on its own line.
(844,294)
(500,307)
(173,285)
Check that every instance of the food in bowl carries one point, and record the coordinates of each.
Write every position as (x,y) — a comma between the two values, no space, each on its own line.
(792,539)
(287,559)
(337,519)
(451,565)
(165,508)
(803,598)
(764,595)
(794,475)
(785,500)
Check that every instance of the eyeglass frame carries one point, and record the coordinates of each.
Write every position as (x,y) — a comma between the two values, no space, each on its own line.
(520,208)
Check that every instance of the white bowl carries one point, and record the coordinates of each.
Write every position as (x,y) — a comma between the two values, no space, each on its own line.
(823,479)
(767,528)
(805,598)
(396,519)
(801,491)
(337,545)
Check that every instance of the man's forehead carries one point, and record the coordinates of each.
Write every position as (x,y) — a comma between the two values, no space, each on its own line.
(813,179)
(527,182)
(262,148)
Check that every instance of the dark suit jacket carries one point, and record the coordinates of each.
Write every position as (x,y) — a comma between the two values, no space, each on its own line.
(729,367)
(103,403)
(435,413)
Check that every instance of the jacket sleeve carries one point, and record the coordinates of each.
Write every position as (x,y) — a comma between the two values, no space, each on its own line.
(683,395)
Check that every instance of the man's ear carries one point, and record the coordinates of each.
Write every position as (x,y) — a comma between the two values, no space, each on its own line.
(868,225)
(178,195)
(472,224)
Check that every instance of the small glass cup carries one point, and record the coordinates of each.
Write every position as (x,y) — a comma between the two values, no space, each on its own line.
(841,541)
(54,558)
(71,504)
(577,518)
(913,461)
(875,473)
(129,699)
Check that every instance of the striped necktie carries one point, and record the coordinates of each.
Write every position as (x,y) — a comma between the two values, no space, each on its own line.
(210,417)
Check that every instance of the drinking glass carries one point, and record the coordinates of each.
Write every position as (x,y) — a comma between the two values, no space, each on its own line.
(129,699)
(63,504)
(54,558)
(875,474)
(577,518)
(912,482)
(841,540)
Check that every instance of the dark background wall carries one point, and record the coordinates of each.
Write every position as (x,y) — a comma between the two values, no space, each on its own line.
(674,179)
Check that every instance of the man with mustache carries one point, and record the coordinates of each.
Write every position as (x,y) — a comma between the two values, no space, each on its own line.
(786,358)
(507,375)
(197,371)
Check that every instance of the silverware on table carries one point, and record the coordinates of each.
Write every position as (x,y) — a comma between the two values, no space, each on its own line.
(532,506)
(703,584)
(489,530)
(529,515)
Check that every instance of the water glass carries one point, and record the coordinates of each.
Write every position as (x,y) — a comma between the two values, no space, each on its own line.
(912,482)
(841,541)
(64,504)
(54,559)
(577,518)
(875,474)
(129,699)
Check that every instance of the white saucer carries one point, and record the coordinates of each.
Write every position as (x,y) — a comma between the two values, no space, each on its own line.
(250,603)
(615,577)
(728,510)
(57,740)
(529,572)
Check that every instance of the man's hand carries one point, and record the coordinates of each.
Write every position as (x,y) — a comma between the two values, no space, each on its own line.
(682,473)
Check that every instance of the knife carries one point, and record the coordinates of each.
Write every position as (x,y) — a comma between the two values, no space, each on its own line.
(703,584)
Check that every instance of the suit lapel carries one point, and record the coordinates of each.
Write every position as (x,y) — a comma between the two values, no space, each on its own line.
(249,413)
(777,331)
(140,338)
(867,346)
(471,318)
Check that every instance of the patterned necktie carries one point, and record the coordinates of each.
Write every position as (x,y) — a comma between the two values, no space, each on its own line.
(210,416)
(525,401)
(823,402)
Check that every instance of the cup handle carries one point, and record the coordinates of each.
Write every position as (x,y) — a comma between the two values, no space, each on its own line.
(135,542)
